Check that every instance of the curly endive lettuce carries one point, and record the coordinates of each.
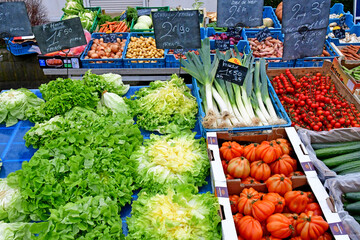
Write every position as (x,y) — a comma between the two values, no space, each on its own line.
(14,104)
(175,214)
(109,82)
(15,231)
(165,106)
(88,218)
(10,203)
(61,96)
(170,160)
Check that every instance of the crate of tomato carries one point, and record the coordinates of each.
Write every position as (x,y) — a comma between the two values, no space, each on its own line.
(315,98)
(266,189)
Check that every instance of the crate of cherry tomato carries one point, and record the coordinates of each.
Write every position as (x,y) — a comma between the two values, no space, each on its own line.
(315,98)
(268,194)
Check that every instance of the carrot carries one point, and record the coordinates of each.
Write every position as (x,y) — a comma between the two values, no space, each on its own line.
(102,29)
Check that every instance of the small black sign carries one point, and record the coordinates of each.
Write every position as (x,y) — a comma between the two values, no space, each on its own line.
(303,44)
(177,29)
(222,45)
(342,21)
(60,35)
(339,33)
(110,37)
(263,34)
(234,31)
(14,20)
(123,16)
(180,51)
(313,14)
(248,13)
(231,72)
(145,11)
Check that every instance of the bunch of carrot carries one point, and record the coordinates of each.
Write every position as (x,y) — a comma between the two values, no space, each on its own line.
(351,52)
(113,27)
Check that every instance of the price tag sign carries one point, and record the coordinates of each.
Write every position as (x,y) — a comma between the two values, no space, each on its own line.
(222,45)
(263,34)
(123,16)
(177,29)
(339,33)
(231,72)
(342,21)
(60,35)
(109,38)
(180,51)
(145,11)
(305,25)
(14,20)
(234,31)
(248,13)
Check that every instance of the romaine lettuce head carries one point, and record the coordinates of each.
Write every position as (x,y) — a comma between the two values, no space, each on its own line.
(15,103)
(10,203)
(15,231)
(168,161)
(175,214)
(165,106)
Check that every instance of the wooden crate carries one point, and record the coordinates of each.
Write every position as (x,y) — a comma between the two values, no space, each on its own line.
(327,68)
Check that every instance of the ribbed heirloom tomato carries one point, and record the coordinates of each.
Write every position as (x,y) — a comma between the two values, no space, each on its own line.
(247,196)
(250,152)
(283,165)
(239,167)
(277,200)
(230,150)
(310,226)
(233,203)
(268,152)
(262,209)
(279,183)
(325,236)
(260,170)
(315,207)
(250,228)
(284,144)
(237,218)
(249,180)
(279,226)
(296,201)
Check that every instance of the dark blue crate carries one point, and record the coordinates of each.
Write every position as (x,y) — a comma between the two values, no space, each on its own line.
(354,29)
(280,111)
(211,31)
(19,49)
(103,63)
(144,62)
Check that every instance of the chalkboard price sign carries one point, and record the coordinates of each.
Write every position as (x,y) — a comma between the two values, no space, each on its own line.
(234,31)
(145,11)
(314,14)
(109,38)
(339,33)
(222,45)
(342,20)
(231,72)
(180,51)
(231,13)
(60,35)
(177,29)
(263,34)
(14,20)
(305,44)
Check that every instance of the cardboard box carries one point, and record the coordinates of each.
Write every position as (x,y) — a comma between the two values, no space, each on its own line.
(335,225)
(59,61)
(213,139)
(351,83)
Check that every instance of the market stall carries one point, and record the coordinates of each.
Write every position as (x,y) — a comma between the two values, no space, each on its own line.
(249,128)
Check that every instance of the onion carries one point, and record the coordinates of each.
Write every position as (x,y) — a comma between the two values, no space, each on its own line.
(107,49)
(107,54)
(114,48)
(96,41)
(112,54)
(116,56)
(101,53)
(91,52)
(94,55)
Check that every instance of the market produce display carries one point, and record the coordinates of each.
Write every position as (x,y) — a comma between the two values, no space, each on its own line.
(342,158)
(15,103)
(228,104)
(314,103)
(349,38)
(274,215)
(165,106)
(75,8)
(174,214)
(101,50)
(256,163)
(350,52)
(171,160)
(143,47)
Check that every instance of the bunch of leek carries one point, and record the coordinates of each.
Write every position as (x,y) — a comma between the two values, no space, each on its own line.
(229,105)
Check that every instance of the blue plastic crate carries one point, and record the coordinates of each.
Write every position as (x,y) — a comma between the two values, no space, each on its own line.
(144,62)
(211,31)
(103,63)
(280,111)
(354,29)
(19,49)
